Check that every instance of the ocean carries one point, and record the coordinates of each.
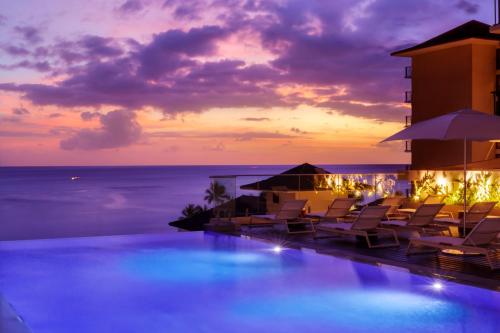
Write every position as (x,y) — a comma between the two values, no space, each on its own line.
(49,202)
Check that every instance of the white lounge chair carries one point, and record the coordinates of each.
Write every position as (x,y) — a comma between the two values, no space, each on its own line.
(340,208)
(479,241)
(421,221)
(366,224)
(429,200)
(393,202)
(288,215)
(474,215)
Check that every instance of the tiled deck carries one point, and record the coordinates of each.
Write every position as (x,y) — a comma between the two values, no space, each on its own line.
(472,270)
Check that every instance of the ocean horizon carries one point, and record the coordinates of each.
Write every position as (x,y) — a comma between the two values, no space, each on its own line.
(74,201)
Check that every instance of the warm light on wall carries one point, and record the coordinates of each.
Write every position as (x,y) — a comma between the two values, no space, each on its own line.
(360,186)
(481,186)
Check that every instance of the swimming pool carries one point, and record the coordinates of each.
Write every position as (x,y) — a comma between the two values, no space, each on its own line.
(201,282)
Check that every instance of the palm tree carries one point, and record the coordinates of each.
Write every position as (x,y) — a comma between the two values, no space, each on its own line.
(216,194)
(192,210)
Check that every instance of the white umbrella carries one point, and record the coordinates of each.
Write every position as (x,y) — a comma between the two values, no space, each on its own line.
(466,125)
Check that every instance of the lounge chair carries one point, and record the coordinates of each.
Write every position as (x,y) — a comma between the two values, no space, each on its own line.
(479,241)
(474,215)
(421,221)
(393,202)
(289,215)
(429,200)
(340,208)
(366,224)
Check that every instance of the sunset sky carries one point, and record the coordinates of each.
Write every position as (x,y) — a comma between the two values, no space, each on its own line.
(110,82)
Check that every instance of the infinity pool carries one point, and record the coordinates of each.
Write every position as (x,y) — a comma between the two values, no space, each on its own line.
(199,282)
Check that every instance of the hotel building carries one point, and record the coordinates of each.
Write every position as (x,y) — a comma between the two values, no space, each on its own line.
(456,70)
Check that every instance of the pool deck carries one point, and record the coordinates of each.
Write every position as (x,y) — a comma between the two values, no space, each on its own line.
(470,270)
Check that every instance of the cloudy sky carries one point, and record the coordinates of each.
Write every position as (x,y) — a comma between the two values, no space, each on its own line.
(106,82)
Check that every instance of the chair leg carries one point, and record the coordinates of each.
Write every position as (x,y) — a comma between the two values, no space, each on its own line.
(396,239)
(409,248)
(367,237)
(391,232)
(491,260)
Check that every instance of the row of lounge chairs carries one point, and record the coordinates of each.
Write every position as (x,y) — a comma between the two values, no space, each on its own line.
(384,222)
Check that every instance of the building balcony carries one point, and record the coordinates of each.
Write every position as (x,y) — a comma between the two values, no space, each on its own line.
(407,121)
(408,96)
(408,72)
(408,146)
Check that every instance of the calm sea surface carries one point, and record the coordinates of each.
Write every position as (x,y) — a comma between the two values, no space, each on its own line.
(45,202)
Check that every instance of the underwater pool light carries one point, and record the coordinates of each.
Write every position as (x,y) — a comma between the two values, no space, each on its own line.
(437,286)
(277,249)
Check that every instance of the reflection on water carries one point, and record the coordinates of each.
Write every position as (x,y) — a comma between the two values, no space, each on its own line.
(356,310)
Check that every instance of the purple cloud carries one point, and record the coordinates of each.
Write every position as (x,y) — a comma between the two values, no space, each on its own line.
(186,9)
(257,119)
(468,7)
(96,46)
(118,129)
(218,147)
(380,111)
(131,6)
(29,33)
(40,66)
(20,111)
(297,130)
(55,115)
(9,119)
(62,131)
(16,50)
(3,20)
(249,136)
(331,47)
(218,84)
(21,134)
(88,116)
(170,51)
(238,136)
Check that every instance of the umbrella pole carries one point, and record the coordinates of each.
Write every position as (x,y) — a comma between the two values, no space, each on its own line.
(465,184)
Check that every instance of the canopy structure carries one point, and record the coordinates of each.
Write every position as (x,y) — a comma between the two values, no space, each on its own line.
(463,125)
(299,178)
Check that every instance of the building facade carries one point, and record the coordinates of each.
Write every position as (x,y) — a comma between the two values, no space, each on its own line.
(456,70)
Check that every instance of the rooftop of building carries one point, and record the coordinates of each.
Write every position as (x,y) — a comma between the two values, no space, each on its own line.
(472,29)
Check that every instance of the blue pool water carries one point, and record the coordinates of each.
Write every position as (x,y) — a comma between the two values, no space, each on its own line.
(201,282)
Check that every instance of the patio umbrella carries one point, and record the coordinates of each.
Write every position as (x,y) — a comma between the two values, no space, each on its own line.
(466,125)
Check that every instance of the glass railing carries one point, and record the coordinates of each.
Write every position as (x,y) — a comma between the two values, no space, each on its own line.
(243,195)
